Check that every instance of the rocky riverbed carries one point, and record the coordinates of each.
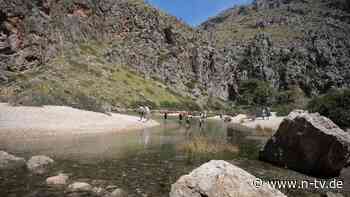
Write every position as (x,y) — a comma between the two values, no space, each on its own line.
(140,163)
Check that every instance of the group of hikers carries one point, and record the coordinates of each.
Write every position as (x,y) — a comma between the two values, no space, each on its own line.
(144,112)
(188,116)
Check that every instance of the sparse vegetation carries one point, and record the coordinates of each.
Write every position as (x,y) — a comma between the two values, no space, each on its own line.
(334,105)
(242,27)
(255,93)
(202,146)
(77,79)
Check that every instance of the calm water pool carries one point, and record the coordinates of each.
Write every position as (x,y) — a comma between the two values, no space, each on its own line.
(144,162)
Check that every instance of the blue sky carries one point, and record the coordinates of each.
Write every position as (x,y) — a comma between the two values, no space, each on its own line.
(195,12)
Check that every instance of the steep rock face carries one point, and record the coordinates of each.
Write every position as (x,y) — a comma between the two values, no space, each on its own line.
(319,65)
(154,44)
(302,43)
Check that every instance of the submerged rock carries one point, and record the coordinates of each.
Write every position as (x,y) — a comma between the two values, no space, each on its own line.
(39,164)
(60,179)
(220,178)
(11,162)
(80,187)
(111,188)
(118,193)
(99,191)
(309,143)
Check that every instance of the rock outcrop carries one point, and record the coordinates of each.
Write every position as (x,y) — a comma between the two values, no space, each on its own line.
(10,162)
(309,143)
(287,43)
(220,178)
(39,164)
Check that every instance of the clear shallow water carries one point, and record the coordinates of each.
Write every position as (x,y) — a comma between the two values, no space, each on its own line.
(144,162)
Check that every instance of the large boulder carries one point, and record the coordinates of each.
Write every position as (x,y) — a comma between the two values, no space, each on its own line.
(308,143)
(11,162)
(39,164)
(220,178)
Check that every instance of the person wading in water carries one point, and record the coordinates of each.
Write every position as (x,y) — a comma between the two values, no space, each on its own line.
(166,115)
(188,121)
(201,120)
(180,117)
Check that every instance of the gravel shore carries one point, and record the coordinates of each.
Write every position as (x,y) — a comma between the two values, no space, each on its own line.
(61,120)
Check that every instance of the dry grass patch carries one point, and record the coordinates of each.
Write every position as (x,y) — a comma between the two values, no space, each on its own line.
(204,145)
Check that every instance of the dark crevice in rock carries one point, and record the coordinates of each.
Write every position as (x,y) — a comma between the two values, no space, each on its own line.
(169,36)
(2,17)
(7,51)
(32,58)
(232,91)
(3,29)
(203,195)
(212,62)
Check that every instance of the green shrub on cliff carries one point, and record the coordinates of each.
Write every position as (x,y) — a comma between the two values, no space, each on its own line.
(255,93)
(334,105)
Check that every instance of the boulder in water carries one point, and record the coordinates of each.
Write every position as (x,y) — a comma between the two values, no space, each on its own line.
(118,193)
(308,143)
(80,187)
(39,164)
(220,178)
(11,162)
(99,191)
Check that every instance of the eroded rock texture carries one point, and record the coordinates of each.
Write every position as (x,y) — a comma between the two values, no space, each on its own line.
(309,143)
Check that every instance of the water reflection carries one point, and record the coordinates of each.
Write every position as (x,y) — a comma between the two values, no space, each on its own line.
(133,159)
(145,137)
